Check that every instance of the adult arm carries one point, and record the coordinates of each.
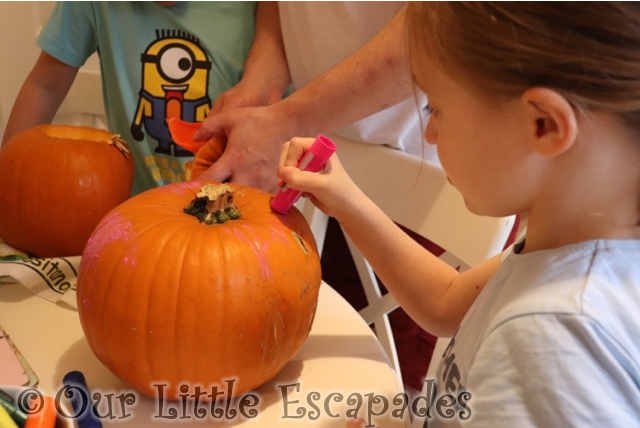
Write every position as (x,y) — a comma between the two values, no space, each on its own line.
(373,78)
(266,73)
(41,94)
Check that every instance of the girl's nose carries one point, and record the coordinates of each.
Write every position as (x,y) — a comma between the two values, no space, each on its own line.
(430,134)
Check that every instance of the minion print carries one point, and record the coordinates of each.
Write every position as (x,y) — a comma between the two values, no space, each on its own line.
(175,77)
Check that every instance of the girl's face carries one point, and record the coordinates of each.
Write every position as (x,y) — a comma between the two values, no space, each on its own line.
(482,146)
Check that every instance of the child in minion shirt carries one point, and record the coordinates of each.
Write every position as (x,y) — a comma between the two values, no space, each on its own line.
(156,62)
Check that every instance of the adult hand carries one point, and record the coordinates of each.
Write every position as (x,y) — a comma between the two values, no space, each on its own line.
(247,93)
(254,139)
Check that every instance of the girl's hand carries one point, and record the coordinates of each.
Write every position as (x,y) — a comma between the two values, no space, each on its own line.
(331,189)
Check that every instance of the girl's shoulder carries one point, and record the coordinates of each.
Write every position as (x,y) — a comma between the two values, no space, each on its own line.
(598,279)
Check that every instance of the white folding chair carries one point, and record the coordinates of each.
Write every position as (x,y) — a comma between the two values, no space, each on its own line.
(416,195)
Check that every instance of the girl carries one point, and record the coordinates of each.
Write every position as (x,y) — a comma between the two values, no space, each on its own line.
(535,109)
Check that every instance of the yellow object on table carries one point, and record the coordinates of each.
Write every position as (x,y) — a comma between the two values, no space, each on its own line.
(5,419)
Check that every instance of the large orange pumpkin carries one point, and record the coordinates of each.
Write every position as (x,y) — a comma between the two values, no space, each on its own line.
(165,298)
(56,183)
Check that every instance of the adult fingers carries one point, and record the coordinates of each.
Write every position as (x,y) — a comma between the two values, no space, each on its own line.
(219,171)
(213,124)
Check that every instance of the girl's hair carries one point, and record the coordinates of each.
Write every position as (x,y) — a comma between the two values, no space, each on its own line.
(587,51)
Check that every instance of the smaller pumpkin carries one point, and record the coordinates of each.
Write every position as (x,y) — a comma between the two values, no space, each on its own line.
(56,183)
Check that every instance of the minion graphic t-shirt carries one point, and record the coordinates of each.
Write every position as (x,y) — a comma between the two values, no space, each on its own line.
(157,62)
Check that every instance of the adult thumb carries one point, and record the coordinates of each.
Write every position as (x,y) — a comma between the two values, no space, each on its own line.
(214,124)
(219,171)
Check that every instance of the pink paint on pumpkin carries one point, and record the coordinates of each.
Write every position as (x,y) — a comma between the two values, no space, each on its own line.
(180,188)
(257,251)
(112,228)
(131,262)
(279,234)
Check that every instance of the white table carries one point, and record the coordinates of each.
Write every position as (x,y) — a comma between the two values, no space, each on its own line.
(341,356)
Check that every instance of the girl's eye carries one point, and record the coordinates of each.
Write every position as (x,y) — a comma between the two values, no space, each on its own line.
(430,111)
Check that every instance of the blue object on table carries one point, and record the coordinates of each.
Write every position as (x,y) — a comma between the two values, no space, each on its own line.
(79,396)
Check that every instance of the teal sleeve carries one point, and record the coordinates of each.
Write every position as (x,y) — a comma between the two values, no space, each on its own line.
(69,34)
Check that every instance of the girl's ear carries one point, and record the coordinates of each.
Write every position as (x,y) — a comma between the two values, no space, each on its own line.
(552,119)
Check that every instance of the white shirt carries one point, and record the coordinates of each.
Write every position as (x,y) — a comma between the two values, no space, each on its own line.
(318,35)
(552,341)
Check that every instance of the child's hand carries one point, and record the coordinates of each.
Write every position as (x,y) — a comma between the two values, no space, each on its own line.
(331,189)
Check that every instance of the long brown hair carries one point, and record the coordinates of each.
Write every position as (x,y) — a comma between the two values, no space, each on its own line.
(587,51)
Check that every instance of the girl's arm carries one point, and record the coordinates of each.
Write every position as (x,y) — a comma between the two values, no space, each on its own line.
(41,94)
(434,294)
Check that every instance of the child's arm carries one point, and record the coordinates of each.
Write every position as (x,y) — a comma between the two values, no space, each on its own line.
(266,73)
(41,94)
(434,294)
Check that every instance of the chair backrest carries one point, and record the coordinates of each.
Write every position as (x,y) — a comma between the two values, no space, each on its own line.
(418,196)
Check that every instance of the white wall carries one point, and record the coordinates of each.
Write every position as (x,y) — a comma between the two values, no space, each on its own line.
(20,23)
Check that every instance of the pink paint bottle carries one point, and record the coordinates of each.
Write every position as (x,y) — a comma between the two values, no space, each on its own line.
(313,160)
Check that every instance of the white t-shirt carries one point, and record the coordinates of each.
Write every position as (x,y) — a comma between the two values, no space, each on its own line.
(318,35)
(552,341)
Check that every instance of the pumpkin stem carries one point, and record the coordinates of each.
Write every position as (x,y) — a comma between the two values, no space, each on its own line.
(120,144)
(213,204)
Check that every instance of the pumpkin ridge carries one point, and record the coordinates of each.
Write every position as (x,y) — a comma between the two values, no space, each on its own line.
(223,261)
(106,299)
(65,196)
(37,201)
(109,296)
(235,229)
(151,281)
(186,372)
(176,361)
(86,263)
(147,342)
(91,167)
